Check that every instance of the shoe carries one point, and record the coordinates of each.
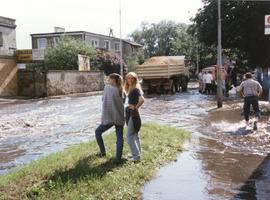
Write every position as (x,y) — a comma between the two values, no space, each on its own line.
(134,159)
(255,126)
(99,154)
(247,125)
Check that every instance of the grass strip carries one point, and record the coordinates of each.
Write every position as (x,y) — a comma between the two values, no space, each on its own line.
(75,173)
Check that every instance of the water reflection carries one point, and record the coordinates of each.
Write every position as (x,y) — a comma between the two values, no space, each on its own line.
(257,187)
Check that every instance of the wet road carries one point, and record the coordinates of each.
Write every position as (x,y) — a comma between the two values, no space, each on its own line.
(222,160)
(36,128)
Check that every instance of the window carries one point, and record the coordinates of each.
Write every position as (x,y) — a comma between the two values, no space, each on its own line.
(56,41)
(1,39)
(117,46)
(107,44)
(94,43)
(41,43)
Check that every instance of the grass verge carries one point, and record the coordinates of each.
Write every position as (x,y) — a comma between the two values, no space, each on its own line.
(76,173)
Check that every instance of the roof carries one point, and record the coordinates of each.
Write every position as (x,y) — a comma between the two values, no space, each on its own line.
(7,22)
(133,43)
(83,32)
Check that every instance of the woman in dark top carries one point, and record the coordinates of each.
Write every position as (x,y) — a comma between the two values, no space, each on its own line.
(135,100)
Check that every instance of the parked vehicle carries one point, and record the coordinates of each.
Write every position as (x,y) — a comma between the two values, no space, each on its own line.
(164,74)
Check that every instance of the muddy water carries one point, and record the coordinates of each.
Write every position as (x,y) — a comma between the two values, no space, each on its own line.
(222,160)
(36,128)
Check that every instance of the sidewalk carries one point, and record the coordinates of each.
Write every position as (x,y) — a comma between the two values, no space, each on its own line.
(22,99)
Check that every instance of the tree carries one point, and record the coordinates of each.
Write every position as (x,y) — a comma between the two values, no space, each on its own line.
(242,29)
(166,38)
(65,55)
(133,60)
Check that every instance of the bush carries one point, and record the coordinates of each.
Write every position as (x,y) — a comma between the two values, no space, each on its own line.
(65,55)
(109,62)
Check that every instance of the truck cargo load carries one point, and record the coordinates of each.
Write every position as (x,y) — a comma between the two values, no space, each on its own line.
(164,74)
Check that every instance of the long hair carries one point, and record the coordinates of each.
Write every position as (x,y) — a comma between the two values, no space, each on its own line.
(119,82)
(128,88)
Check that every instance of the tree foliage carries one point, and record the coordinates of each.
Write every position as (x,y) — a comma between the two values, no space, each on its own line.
(242,29)
(65,55)
(109,62)
(166,38)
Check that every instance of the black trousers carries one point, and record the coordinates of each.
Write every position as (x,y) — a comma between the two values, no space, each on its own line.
(254,101)
(208,88)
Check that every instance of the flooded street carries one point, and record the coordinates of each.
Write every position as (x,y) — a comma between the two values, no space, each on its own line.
(221,161)
(36,128)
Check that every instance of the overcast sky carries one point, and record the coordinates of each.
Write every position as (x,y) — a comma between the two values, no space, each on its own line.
(40,16)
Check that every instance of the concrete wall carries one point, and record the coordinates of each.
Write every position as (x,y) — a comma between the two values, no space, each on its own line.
(67,82)
(8,77)
(52,83)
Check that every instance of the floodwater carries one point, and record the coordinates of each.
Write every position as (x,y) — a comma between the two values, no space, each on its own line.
(36,128)
(221,161)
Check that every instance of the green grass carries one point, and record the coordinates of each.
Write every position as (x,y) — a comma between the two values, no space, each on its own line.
(76,173)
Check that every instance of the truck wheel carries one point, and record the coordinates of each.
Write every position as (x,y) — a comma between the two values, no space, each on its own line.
(173,89)
(184,86)
(177,87)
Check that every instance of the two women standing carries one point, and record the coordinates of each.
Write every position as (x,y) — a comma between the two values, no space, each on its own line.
(113,114)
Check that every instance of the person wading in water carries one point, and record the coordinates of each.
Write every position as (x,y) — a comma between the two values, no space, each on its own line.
(251,90)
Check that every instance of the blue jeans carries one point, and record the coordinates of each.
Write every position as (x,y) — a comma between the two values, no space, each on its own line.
(119,139)
(254,101)
(133,140)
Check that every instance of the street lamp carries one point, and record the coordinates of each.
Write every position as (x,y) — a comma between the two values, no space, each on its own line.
(121,42)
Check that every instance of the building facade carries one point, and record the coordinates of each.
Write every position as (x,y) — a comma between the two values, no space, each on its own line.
(8,65)
(108,43)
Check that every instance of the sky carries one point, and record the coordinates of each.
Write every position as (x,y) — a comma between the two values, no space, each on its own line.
(41,16)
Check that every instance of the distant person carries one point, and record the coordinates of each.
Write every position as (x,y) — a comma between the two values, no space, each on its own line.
(233,76)
(204,81)
(251,90)
(200,82)
(135,100)
(112,115)
(208,83)
(223,77)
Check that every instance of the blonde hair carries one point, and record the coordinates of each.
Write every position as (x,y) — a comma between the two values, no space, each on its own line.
(128,88)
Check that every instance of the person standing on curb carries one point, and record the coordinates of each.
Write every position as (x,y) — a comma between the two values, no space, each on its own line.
(135,100)
(251,90)
(112,115)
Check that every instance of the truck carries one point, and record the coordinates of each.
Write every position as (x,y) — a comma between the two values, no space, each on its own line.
(163,74)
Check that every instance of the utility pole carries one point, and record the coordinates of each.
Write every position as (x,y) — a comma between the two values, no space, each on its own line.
(219,61)
(197,58)
(121,42)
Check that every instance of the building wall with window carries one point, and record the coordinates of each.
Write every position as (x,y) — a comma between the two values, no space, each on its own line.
(7,36)
(41,41)
(99,41)
(8,65)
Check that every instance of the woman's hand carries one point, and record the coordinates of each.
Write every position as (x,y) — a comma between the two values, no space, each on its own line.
(132,107)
